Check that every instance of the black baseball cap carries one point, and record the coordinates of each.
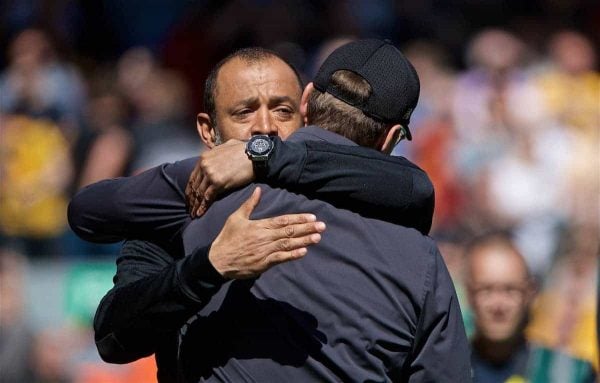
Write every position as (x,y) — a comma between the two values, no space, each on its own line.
(394,81)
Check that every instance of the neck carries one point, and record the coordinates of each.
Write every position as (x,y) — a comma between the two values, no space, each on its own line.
(497,352)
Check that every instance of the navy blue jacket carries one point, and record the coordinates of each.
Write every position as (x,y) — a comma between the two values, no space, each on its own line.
(154,293)
(373,301)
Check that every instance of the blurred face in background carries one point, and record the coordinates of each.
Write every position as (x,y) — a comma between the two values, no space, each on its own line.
(572,52)
(500,291)
(261,97)
(30,50)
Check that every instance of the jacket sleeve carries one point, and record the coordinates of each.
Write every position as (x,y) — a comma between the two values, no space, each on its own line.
(440,351)
(150,205)
(356,178)
(153,295)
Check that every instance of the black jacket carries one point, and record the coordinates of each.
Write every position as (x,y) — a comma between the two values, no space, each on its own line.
(153,295)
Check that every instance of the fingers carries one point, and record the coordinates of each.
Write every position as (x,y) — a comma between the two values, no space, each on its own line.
(290,244)
(246,248)
(287,220)
(285,256)
(189,193)
(293,242)
(192,190)
(297,250)
(298,230)
(206,201)
(248,207)
(202,207)
(289,249)
(199,196)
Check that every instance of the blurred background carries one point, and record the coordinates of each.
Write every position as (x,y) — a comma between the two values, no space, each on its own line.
(508,128)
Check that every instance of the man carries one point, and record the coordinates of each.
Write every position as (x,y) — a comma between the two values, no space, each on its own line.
(500,291)
(374,302)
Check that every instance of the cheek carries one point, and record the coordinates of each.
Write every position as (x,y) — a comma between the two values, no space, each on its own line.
(230,130)
(289,127)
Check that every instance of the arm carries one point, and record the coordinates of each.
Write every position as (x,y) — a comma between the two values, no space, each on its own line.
(360,179)
(148,302)
(150,206)
(440,351)
(155,293)
(352,177)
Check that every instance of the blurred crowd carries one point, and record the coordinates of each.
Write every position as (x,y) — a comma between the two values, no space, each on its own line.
(508,128)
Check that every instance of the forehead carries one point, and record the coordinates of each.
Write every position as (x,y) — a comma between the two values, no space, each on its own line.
(497,264)
(270,77)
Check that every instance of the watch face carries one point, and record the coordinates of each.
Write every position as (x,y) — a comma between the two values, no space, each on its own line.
(260,145)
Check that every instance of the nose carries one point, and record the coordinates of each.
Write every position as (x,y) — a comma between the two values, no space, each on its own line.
(264,124)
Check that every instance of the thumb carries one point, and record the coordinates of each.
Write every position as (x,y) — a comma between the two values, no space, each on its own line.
(248,206)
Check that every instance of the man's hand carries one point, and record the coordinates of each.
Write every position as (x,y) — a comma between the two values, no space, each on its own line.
(246,248)
(222,168)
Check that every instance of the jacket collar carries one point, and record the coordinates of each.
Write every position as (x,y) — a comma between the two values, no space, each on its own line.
(314,133)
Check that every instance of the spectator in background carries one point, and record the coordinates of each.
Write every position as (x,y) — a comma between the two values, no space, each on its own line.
(483,95)
(436,138)
(54,354)
(16,338)
(40,108)
(509,153)
(324,50)
(523,189)
(35,174)
(159,98)
(570,86)
(452,248)
(38,84)
(500,290)
(105,148)
(564,315)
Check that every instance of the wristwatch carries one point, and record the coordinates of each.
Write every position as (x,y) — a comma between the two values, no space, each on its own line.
(259,149)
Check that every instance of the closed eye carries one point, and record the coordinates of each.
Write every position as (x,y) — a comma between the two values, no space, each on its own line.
(284,110)
(242,113)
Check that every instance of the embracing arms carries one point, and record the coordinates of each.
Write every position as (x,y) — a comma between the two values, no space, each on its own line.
(356,178)
(155,292)
(152,205)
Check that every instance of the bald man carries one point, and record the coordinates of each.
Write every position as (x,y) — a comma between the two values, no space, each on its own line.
(500,291)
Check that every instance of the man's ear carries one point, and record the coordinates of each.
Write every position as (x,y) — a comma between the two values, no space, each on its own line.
(206,130)
(391,138)
(304,102)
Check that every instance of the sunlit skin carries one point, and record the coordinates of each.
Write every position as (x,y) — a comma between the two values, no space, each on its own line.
(500,292)
(262,97)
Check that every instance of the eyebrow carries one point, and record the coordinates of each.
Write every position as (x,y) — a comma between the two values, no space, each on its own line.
(272,101)
(281,99)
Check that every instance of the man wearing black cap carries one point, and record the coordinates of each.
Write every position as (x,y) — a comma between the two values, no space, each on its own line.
(372,302)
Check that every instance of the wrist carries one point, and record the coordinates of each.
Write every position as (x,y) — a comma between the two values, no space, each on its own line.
(197,274)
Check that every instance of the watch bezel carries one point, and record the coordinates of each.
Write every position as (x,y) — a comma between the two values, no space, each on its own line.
(254,155)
